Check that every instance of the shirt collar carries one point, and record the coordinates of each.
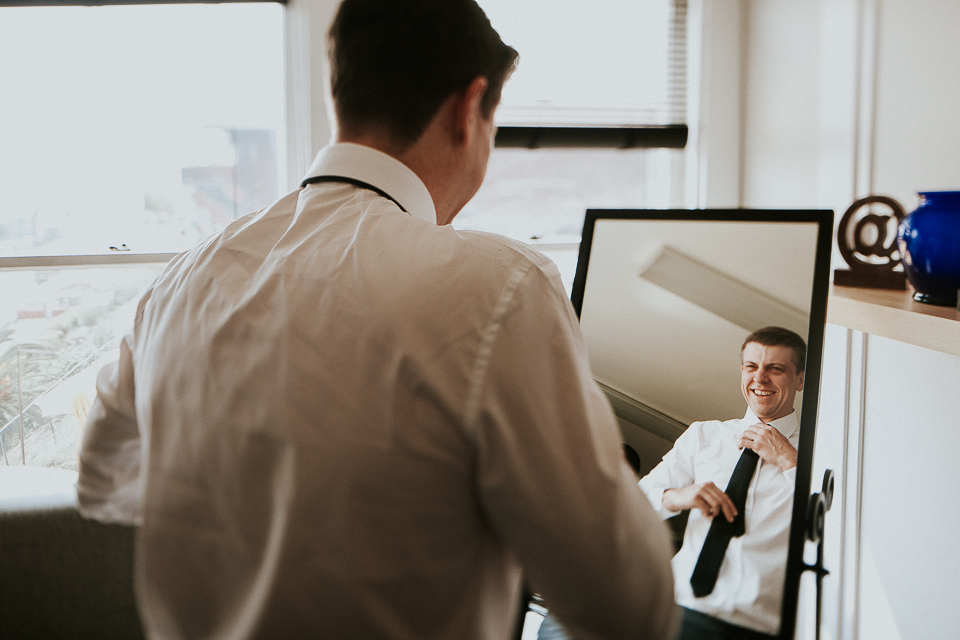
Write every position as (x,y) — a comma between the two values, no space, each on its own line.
(787,425)
(357,162)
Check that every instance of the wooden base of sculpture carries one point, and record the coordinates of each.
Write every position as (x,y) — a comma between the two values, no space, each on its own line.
(870,279)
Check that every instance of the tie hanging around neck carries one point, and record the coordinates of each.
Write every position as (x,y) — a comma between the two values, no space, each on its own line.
(354,182)
(705,573)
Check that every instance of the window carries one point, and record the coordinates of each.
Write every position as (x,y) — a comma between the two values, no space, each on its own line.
(594,117)
(127,133)
(145,126)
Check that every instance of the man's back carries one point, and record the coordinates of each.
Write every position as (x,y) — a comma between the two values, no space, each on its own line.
(331,377)
(366,420)
(344,419)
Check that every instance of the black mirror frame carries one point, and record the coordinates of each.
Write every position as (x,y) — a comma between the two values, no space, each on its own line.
(815,335)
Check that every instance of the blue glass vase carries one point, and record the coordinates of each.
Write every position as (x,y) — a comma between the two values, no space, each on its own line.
(929,243)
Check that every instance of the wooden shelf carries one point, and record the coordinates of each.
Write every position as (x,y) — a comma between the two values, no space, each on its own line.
(896,315)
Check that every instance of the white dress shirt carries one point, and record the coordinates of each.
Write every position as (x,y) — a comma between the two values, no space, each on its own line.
(337,419)
(749,589)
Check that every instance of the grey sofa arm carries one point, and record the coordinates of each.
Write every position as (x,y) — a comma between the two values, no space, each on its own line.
(62,576)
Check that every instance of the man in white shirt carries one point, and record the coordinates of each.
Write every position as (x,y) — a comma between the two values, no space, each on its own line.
(342,418)
(741,596)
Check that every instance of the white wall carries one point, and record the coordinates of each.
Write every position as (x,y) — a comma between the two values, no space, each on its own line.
(894,440)
(800,105)
(910,569)
(844,98)
(917,124)
(782,90)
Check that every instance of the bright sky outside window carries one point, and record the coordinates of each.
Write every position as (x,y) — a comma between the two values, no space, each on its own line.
(150,126)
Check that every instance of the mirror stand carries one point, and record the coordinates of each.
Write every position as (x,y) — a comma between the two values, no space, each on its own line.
(819,504)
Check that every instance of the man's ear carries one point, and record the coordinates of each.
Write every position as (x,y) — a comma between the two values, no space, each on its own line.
(800,385)
(467,107)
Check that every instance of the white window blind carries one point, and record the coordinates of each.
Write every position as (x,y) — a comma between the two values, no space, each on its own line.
(593,64)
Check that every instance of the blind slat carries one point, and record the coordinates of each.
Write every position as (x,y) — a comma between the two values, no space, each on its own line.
(604,63)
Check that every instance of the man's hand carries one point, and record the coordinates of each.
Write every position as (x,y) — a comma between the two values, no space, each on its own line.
(770,445)
(706,496)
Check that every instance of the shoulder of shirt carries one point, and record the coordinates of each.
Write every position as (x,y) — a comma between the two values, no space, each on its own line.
(512,250)
(708,426)
(480,242)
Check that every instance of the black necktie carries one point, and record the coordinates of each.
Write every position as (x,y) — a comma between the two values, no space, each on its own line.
(705,573)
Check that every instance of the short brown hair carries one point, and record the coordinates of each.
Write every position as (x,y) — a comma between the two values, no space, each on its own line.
(394,62)
(779,337)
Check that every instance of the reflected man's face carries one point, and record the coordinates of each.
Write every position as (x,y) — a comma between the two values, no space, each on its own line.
(769,380)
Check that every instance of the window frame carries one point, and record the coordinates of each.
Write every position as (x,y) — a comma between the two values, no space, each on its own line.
(112,3)
(670,136)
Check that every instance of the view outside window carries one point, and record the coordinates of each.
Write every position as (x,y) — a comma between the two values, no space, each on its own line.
(145,126)
(125,129)
(540,196)
(60,327)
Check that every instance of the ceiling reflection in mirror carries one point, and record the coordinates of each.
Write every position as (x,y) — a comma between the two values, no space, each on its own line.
(667,305)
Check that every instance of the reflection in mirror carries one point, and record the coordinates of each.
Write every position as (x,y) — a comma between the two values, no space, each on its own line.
(667,300)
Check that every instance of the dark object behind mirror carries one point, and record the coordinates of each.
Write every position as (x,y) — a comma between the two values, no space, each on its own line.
(666,298)
(817,509)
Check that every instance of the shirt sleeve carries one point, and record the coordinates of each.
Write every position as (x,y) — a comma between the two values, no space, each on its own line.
(108,486)
(552,479)
(676,470)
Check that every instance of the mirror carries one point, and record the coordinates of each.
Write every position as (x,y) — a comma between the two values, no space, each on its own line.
(666,300)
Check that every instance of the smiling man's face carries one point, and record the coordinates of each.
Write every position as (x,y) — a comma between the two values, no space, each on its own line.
(769,380)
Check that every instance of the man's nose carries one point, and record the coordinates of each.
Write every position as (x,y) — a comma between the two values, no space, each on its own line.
(761,375)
